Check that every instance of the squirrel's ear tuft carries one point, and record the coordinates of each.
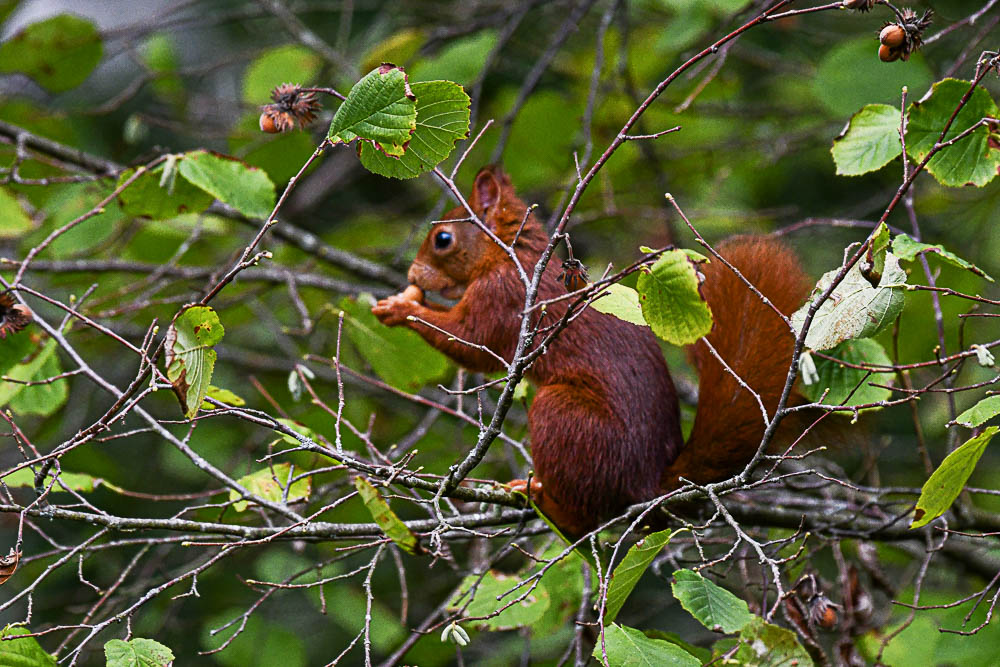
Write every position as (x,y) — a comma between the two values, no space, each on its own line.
(486,191)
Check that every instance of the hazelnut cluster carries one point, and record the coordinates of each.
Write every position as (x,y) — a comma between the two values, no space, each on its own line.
(291,105)
(13,315)
(899,40)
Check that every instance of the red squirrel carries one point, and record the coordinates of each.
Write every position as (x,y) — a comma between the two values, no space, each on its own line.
(604,424)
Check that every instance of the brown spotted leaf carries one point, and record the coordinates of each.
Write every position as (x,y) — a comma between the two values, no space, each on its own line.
(190,357)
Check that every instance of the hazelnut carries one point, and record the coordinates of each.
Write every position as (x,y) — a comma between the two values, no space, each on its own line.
(267,124)
(887,54)
(413,293)
(893,36)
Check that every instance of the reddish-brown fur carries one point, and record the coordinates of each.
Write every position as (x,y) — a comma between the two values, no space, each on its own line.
(756,344)
(604,422)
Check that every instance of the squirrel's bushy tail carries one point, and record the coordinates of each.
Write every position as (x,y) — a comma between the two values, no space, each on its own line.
(755,343)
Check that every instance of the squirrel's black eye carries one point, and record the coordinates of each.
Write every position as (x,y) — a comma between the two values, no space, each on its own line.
(442,240)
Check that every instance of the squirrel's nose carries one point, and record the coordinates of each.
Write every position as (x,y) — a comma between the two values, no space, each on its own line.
(415,274)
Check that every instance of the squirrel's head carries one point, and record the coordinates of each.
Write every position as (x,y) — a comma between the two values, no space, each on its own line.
(456,251)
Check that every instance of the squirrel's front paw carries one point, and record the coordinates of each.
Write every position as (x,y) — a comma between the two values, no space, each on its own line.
(393,311)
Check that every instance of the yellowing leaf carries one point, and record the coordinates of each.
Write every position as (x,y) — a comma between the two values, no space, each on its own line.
(622,302)
(386,519)
(270,484)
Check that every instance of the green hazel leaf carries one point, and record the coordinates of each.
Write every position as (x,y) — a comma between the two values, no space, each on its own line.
(442,119)
(870,141)
(856,308)
(907,249)
(380,107)
(671,301)
(58,53)
(945,483)
(269,484)
(74,481)
(384,348)
(712,605)
(980,413)
(488,589)
(68,202)
(694,255)
(970,161)
(275,67)
(622,302)
(702,654)
(43,399)
(386,519)
(247,189)
(564,582)
(137,652)
(25,652)
(16,221)
(628,647)
(223,396)
(873,264)
(389,150)
(146,197)
(15,349)
(630,570)
(27,370)
(190,358)
(766,645)
(842,380)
